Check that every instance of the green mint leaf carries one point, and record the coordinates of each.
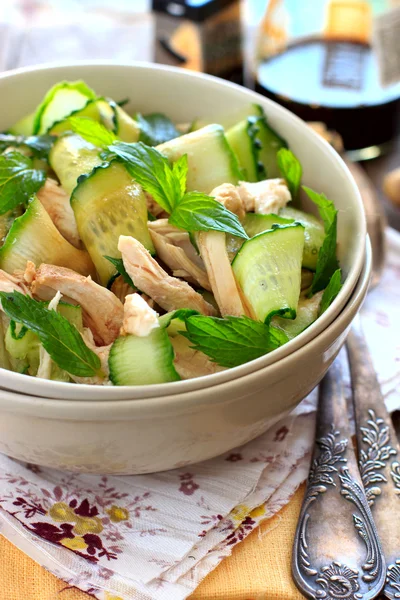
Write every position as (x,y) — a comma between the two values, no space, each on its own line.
(152,171)
(93,132)
(232,341)
(331,291)
(180,171)
(156,129)
(119,265)
(327,262)
(18,180)
(326,208)
(199,212)
(58,336)
(39,144)
(290,169)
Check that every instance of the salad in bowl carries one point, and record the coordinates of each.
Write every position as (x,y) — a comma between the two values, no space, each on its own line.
(138,251)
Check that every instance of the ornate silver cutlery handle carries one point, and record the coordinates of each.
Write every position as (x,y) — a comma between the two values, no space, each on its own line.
(337,553)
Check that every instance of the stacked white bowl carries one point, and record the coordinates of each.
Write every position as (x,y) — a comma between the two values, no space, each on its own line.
(153,428)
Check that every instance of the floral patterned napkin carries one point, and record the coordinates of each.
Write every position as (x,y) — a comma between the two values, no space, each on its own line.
(157,536)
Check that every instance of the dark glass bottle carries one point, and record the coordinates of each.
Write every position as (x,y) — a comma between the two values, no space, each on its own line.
(201,35)
(339,67)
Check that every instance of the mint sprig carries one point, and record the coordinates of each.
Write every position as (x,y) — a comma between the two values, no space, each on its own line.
(18,180)
(152,170)
(58,336)
(290,169)
(232,341)
(327,263)
(331,291)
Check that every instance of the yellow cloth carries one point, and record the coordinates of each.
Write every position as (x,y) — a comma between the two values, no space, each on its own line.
(259,568)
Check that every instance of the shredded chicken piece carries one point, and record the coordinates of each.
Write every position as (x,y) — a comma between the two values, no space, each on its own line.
(121,289)
(139,318)
(177,237)
(191,363)
(102,311)
(56,203)
(264,197)
(179,263)
(102,352)
(228,195)
(169,293)
(212,248)
(30,272)
(12,283)
(45,362)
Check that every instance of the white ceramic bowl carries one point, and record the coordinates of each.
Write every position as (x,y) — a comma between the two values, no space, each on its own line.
(154,434)
(149,428)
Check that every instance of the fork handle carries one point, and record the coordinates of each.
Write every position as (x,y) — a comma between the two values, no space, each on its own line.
(378,454)
(336,552)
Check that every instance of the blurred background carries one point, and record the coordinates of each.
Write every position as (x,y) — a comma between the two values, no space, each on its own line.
(335,63)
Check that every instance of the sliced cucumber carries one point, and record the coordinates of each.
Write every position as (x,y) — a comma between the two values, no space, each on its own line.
(126,128)
(90,110)
(60,101)
(4,356)
(243,140)
(33,236)
(210,158)
(271,142)
(256,145)
(254,224)
(314,234)
(24,126)
(107,113)
(73,313)
(109,203)
(307,313)
(25,348)
(6,221)
(146,360)
(70,157)
(268,271)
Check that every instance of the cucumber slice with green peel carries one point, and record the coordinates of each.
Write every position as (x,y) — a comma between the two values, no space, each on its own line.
(4,356)
(107,113)
(70,157)
(314,234)
(25,348)
(146,360)
(271,142)
(6,221)
(72,312)
(211,161)
(109,203)
(24,126)
(126,128)
(307,313)
(243,140)
(90,111)
(254,223)
(60,101)
(267,268)
(33,236)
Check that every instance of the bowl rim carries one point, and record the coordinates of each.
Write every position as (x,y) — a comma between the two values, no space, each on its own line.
(79,392)
(58,408)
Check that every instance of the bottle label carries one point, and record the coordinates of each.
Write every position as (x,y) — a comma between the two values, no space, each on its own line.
(385,42)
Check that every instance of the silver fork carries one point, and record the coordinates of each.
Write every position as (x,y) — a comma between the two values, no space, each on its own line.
(336,553)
